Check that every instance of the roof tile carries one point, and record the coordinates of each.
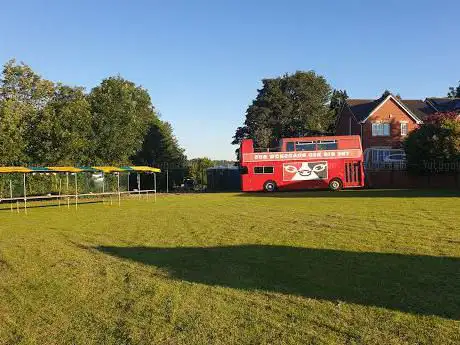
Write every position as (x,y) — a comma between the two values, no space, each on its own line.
(361,108)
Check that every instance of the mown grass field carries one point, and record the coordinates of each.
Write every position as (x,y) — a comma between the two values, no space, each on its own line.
(355,267)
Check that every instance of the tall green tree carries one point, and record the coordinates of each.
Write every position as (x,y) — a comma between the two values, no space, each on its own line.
(197,169)
(385,94)
(12,128)
(160,147)
(61,132)
(292,105)
(20,83)
(454,91)
(122,114)
(55,124)
(23,94)
(338,100)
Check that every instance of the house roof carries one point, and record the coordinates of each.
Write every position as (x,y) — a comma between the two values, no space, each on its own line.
(444,104)
(420,108)
(362,108)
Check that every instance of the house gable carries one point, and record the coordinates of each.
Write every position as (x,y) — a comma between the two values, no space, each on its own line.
(403,116)
(384,105)
(391,112)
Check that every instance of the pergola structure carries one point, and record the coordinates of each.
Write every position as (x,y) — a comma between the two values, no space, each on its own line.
(74,171)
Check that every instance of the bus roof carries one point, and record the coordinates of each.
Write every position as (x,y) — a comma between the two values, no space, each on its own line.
(331,137)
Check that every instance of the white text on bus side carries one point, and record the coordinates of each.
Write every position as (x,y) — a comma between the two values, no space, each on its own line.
(320,154)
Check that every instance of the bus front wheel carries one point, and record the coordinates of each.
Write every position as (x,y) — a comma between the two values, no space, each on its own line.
(270,186)
(335,184)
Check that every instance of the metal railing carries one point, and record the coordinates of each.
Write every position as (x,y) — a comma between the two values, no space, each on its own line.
(267,149)
(74,199)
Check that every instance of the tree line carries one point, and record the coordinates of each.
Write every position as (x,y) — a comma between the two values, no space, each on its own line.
(48,123)
(115,123)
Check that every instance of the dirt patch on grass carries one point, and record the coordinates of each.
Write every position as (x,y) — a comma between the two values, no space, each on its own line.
(4,265)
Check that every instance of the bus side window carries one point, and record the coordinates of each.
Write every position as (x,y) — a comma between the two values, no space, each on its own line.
(327,145)
(290,147)
(263,170)
(268,170)
(243,170)
(305,146)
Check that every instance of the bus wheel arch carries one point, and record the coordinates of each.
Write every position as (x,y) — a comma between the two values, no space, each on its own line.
(335,184)
(270,186)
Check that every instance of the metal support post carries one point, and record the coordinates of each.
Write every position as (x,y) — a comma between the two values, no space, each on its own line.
(167,180)
(139,185)
(76,191)
(119,194)
(60,187)
(11,195)
(25,194)
(67,190)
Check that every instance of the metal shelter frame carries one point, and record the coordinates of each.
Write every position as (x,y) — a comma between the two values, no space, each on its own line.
(74,171)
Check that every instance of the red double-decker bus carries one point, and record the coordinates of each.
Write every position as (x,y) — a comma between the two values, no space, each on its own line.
(333,162)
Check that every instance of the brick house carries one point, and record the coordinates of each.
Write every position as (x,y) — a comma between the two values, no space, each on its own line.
(384,122)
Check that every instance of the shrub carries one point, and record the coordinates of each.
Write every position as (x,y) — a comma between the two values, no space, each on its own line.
(435,144)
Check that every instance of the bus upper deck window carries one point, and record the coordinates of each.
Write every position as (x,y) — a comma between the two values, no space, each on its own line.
(305,146)
(290,146)
(327,145)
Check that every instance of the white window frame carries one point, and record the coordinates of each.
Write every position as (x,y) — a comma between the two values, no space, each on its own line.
(405,125)
(383,131)
(300,143)
(319,142)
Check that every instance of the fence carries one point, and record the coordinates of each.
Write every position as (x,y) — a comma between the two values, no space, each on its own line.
(388,168)
(405,179)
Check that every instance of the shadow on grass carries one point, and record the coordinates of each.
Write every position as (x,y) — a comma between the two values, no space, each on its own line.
(39,204)
(416,284)
(360,193)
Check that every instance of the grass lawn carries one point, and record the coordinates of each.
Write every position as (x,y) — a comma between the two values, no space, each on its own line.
(354,267)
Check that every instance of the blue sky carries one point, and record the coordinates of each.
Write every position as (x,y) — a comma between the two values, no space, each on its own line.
(202,61)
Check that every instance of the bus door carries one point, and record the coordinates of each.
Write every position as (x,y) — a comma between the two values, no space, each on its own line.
(352,174)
